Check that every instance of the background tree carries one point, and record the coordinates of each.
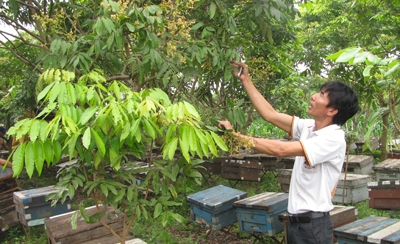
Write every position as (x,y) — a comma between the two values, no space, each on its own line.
(330,26)
(182,47)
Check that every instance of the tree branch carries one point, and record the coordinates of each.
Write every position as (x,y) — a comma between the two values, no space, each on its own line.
(26,61)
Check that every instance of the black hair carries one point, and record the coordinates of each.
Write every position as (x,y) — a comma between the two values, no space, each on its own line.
(343,98)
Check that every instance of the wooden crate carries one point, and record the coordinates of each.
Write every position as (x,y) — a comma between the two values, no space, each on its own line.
(359,164)
(8,215)
(384,195)
(240,169)
(388,169)
(59,229)
(213,207)
(372,229)
(284,176)
(259,214)
(355,188)
(32,207)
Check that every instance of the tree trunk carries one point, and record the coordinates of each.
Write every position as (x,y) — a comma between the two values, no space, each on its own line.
(384,138)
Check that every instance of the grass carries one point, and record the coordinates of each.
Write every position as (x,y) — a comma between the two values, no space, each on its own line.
(151,231)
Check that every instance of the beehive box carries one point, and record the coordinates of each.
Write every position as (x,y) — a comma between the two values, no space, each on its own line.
(269,163)
(59,229)
(259,214)
(342,215)
(355,188)
(210,168)
(8,215)
(288,162)
(7,182)
(359,164)
(388,169)
(32,207)
(372,229)
(213,207)
(384,194)
(284,176)
(240,169)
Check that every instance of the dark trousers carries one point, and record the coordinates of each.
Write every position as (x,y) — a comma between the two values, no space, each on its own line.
(318,231)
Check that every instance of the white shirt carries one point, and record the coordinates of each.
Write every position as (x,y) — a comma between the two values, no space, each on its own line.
(315,176)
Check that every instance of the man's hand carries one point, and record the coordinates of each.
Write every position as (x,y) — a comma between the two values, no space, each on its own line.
(224,124)
(238,65)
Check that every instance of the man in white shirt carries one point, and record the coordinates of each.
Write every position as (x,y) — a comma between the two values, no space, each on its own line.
(319,147)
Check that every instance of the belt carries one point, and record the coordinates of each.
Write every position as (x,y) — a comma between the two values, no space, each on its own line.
(306,217)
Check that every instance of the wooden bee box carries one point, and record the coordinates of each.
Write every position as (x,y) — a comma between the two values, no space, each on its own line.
(372,229)
(59,229)
(259,214)
(388,169)
(384,195)
(7,182)
(8,215)
(240,169)
(359,164)
(284,176)
(353,188)
(210,168)
(213,207)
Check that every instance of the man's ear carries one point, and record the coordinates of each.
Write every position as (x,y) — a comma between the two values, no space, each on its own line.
(332,112)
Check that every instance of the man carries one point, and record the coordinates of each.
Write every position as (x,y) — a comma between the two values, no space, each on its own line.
(319,147)
(3,139)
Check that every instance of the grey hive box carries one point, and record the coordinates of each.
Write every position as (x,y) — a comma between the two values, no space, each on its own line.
(32,207)
(259,214)
(213,207)
(359,164)
(388,169)
(355,188)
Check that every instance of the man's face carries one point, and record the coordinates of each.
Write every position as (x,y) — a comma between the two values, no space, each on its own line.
(318,103)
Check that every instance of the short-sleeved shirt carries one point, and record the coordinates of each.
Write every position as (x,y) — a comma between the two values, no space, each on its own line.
(315,176)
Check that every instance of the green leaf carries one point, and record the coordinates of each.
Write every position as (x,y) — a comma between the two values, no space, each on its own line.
(192,110)
(119,196)
(87,115)
(213,8)
(74,220)
(170,148)
(57,151)
(18,159)
(391,70)
(38,155)
(148,128)
(178,217)
(99,142)
(221,144)
(157,210)
(131,28)
(29,159)
(86,138)
(34,130)
(367,71)
(348,54)
(197,26)
(48,152)
(44,92)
